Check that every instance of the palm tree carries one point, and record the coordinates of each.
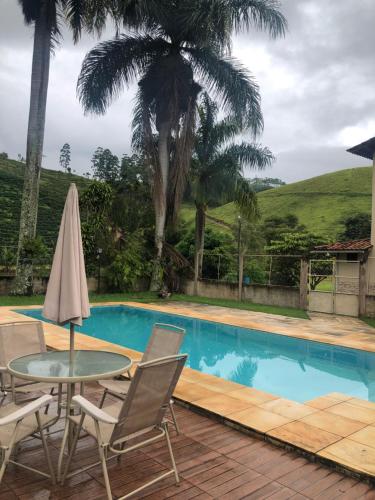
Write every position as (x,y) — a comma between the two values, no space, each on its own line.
(177,49)
(45,16)
(217,169)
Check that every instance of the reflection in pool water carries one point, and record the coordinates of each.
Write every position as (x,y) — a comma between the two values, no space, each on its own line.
(293,368)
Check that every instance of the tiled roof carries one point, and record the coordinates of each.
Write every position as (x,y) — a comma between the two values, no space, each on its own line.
(348,246)
(365,149)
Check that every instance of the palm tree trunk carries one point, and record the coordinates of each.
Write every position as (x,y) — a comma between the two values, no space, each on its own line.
(35,136)
(200,225)
(160,202)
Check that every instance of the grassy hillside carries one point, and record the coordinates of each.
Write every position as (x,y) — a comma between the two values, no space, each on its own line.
(53,189)
(320,203)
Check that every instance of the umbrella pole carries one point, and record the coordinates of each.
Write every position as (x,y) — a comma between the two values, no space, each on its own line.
(71,345)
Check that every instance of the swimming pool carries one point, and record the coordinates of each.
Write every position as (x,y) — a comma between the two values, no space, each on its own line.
(293,368)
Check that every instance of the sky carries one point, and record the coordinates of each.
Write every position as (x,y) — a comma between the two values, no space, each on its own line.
(317,88)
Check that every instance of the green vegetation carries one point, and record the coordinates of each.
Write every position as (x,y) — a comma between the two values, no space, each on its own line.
(321,203)
(148,297)
(53,189)
(369,321)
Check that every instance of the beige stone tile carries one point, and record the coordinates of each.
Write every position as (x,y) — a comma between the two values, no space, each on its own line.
(211,382)
(362,403)
(342,426)
(355,456)
(220,385)
(365,436)
(322,402)
(304,436)
(288,409)
(222,404)
(258,419)
(189,391)
(253,396)
(339,396)
(346,409)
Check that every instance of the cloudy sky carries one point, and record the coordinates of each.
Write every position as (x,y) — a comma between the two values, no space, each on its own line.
(317,86)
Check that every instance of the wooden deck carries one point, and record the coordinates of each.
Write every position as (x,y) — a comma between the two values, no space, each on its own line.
(214,461)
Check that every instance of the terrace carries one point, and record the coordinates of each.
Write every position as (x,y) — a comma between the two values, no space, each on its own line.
(214,461)
(302,441)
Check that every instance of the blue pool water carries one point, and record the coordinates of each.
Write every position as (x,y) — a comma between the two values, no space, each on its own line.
(293,368)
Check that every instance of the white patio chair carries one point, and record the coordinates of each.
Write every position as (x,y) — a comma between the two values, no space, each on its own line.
(141,413)
(165,340)
(16,340)
(18,423)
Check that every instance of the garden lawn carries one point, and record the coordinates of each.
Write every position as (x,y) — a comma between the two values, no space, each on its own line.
(148,297)
(369,321)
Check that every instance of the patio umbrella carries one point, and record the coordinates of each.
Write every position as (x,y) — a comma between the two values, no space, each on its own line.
(67,298)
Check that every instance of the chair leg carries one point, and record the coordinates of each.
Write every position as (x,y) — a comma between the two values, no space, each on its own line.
(46,451)
(171,453)
(103,398)
(171,409)
(73,448)
(6,452)
(5,461)
(47,406)
(63,445)
(105,471)
(120,456)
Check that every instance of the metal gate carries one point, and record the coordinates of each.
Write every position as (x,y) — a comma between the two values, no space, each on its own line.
(334,286)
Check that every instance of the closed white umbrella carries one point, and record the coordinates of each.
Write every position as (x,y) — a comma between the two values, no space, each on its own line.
(67,296)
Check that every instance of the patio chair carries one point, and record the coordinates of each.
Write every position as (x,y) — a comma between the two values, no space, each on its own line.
(165,340)
(16,340)
(139,415)
(18,423)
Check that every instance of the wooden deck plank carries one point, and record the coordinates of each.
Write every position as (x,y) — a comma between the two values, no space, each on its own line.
(215,462)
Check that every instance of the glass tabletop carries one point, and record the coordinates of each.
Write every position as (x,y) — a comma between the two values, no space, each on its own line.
(54,366)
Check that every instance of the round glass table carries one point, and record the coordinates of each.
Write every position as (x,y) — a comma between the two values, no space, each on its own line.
(56,367)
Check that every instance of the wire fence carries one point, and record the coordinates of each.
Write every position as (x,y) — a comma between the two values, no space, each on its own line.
(257,269)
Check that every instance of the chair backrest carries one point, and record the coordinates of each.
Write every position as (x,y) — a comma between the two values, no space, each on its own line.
(149,393)
(20,339)
(165,340)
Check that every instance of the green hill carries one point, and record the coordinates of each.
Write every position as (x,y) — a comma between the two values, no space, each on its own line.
(53,189)
(320,203)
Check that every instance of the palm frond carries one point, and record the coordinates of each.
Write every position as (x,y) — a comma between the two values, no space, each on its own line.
(232,84)
(224,131)
(246,200)
(143,139)
(264,15)
(30,10)
(75,14)
(180,165)
(240,15)
(250,155)
(111,65)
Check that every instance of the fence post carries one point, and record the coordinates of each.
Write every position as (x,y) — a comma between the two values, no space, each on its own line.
(362,287)
(303,278)
(196,272)
(240,275)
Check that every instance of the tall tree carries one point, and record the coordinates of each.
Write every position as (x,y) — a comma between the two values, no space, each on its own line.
(44,15)
(217,169)
(65,158)
(356,227)
(178,48)
(105,165)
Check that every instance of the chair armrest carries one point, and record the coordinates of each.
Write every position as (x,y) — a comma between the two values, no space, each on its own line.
(26,410)
(94,412)
(3,369)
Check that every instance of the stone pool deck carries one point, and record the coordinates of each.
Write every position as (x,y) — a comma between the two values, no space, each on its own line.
(335,428)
